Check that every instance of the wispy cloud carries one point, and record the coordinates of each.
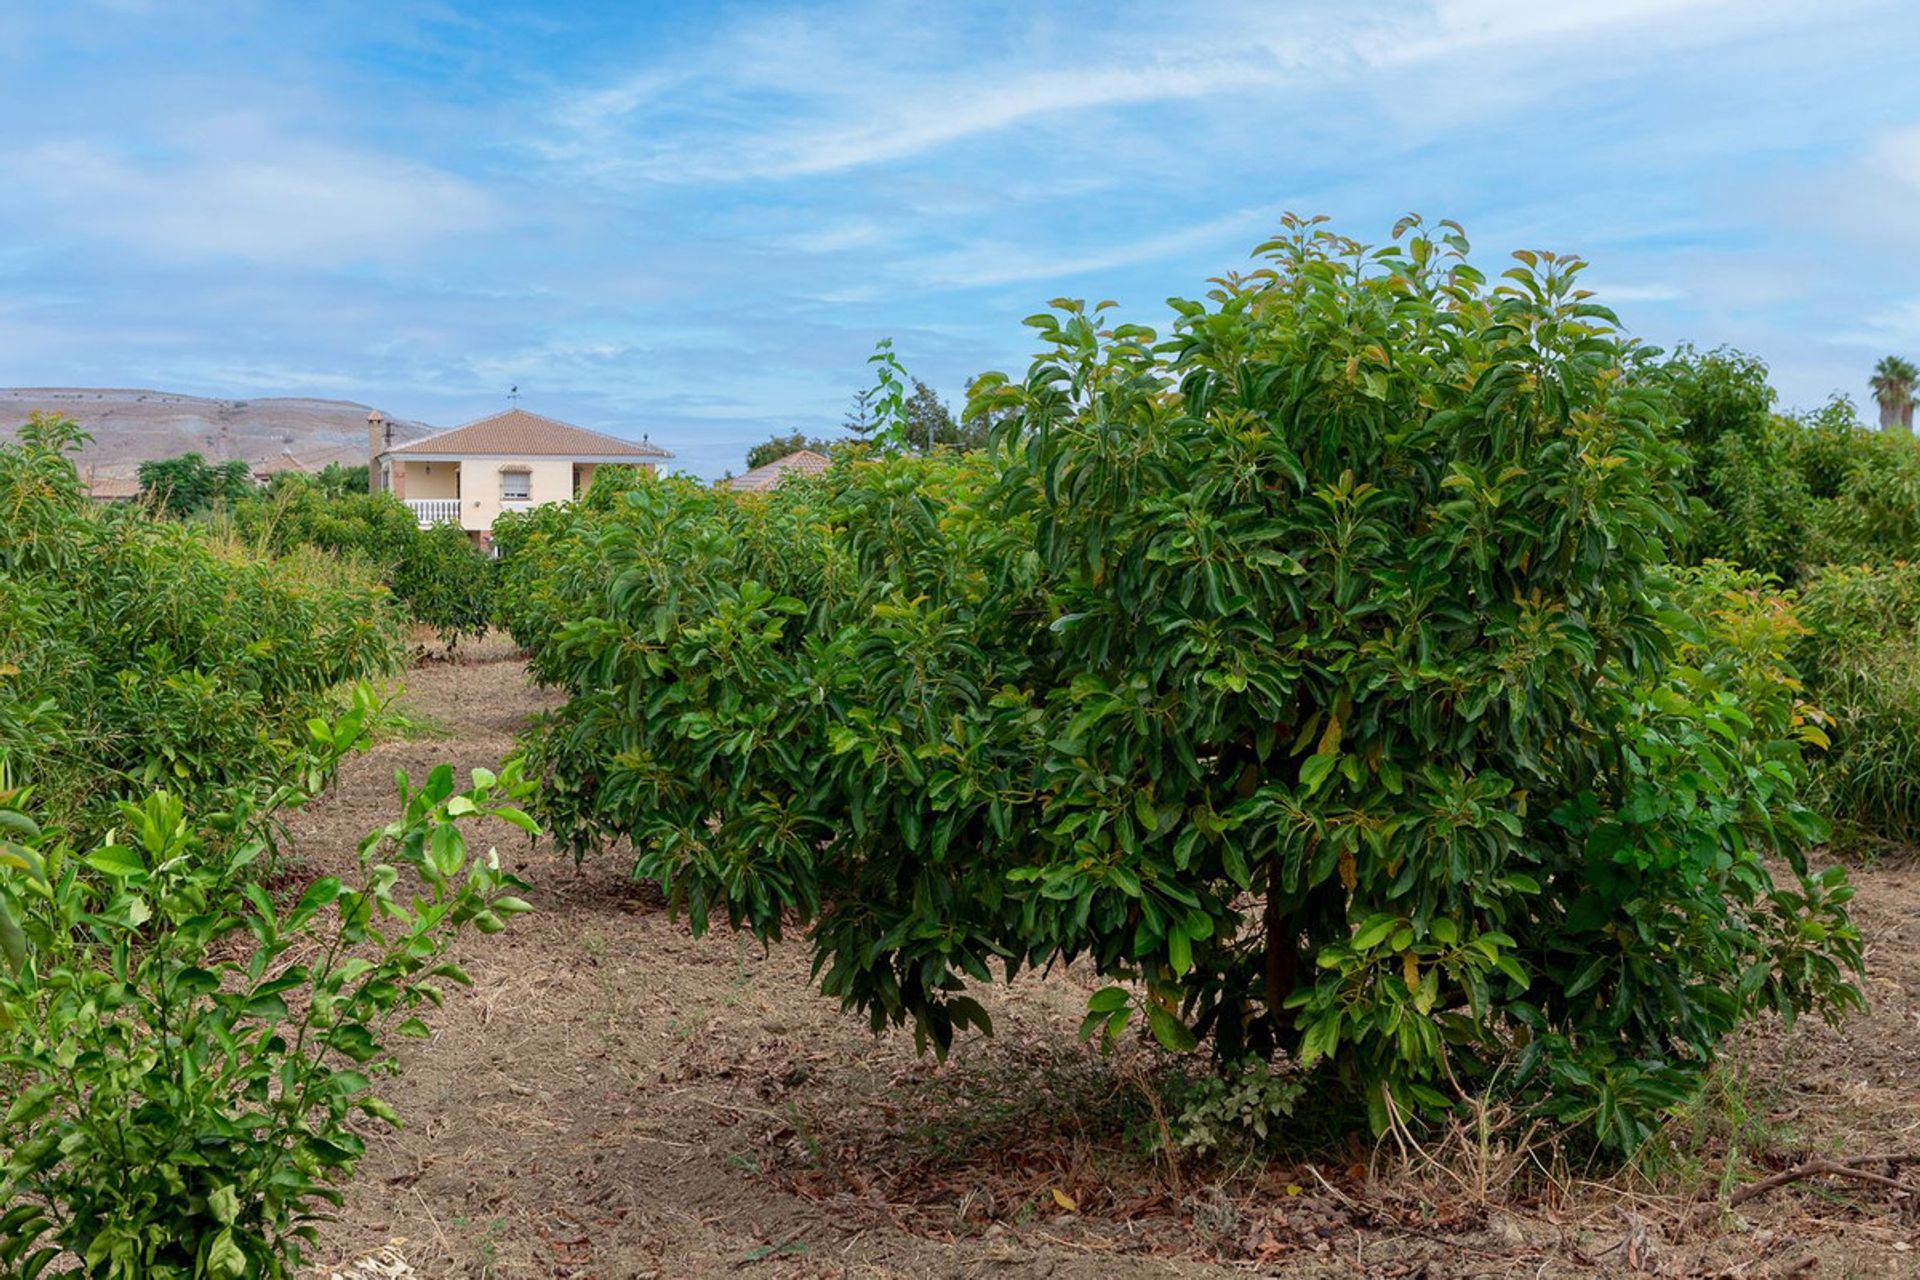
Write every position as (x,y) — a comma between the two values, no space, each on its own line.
(867,131)
(991,263)
(696,220)
(238,194)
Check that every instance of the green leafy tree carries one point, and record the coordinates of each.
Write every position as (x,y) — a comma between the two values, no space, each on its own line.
(931,425)
(1831,445)
(1874,518)
(337,481)
(982,416)
(1892,385)
(188,485)
(1754,501)
(1313,672)
(445,582)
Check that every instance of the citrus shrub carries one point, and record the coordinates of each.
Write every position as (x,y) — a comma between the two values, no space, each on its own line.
(189,1065)
(138,652)
(1314,671)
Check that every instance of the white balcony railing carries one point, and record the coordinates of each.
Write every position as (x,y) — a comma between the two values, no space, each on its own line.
(435,510)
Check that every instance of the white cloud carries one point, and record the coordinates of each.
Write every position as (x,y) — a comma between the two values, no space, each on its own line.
(1891,328)
(234,193)
(894,124)
(838,238)
(1896,155)
(1611,294)
(799,94)
(1463,26)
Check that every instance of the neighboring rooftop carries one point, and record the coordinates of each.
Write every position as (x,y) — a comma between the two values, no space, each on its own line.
(773,474)
(522,434)
(110,488)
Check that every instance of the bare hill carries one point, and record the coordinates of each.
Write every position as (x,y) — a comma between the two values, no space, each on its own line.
(131,426)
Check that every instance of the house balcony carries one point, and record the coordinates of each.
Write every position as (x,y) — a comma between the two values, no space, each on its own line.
(432,511)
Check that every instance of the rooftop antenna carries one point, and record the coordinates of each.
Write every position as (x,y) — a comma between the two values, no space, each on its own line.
(513,394)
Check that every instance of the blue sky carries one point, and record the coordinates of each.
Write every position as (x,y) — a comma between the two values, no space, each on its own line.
(694,220)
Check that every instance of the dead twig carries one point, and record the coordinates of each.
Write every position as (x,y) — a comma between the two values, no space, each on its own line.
(1847,1168)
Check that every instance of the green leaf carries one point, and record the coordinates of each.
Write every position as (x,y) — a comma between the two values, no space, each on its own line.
(1314,770)
(13,942)
(118,861)
(1179,953)
(224,1257)
(1173,1034)
(224,1203)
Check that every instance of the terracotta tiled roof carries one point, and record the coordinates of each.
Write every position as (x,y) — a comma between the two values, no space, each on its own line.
(528,435)
(771,476)
(285,462)
(111,487)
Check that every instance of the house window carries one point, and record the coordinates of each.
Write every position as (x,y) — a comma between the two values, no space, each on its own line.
(516,486)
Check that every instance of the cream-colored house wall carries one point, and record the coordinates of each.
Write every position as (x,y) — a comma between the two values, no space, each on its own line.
(433,479)
(549,480)
(476,482)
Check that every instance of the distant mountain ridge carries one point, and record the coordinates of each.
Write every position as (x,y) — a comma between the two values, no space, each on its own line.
(134,425)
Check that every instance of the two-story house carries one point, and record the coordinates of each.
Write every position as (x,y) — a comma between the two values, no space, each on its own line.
(508,461)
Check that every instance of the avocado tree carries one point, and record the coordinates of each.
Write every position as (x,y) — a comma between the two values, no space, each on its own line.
(1313,671)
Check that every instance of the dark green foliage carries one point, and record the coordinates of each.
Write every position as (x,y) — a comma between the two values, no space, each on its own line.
(1874,516)
(137,652)
(930,425)
(445,582)
(337,481)
(1755,501)
(861,420)
(1314,671)
(1830,447)
(188,484)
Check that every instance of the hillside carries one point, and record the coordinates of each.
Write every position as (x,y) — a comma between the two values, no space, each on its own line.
(131,426)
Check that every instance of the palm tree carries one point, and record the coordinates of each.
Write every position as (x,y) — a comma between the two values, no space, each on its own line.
(1893,383)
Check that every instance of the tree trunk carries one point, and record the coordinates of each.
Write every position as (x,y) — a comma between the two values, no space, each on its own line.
(1283,959)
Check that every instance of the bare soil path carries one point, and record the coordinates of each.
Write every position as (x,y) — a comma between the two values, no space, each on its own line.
(616,1098)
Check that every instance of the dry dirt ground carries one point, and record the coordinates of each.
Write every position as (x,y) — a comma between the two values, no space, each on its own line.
(616,1098)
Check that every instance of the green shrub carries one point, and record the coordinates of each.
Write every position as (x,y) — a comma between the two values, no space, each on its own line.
(138,652)
(1831,446)
(1242,1108)
(436,573)
(1874,517)
(186,1060)
(445,583)
(189,484)
(1313,670)
(1863,650)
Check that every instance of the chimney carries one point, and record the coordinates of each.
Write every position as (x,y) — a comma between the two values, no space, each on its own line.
(379,436)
